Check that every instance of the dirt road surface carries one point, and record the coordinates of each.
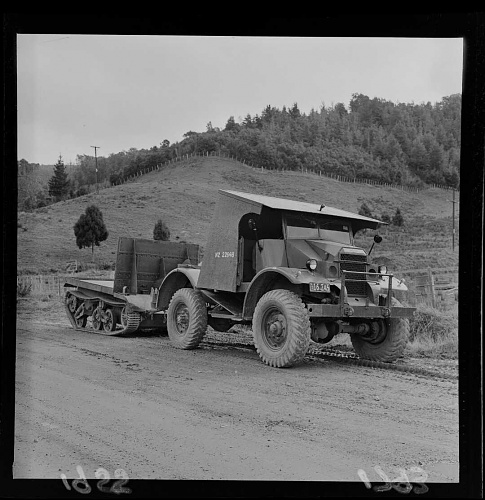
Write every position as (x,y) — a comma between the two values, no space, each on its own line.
(218,412)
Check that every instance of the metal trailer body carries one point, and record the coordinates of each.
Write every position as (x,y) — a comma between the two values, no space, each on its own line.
(129,301)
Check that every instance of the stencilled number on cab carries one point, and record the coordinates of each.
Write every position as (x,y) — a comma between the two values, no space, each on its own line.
(224,254)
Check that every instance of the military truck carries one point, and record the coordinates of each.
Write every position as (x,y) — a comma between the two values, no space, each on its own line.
(288,268)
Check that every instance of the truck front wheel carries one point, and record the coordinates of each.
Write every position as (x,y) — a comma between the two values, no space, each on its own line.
(186,318)
(385,341)
(281,328)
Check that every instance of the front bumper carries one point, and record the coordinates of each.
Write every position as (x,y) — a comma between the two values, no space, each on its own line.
(337,311)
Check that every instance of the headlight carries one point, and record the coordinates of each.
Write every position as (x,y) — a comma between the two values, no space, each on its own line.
(311,264)
(382,269)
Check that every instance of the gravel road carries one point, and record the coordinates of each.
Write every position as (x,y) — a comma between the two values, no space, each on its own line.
(138,404)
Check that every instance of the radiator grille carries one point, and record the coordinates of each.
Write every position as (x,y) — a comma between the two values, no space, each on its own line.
(354,263)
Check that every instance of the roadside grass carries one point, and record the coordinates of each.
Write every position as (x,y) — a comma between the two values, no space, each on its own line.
(433,333)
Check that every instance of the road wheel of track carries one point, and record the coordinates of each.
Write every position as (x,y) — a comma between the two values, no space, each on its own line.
(109,324)
(281,328)
(186,318)
(81,321)
(388,342)
(96,319)
(71,302)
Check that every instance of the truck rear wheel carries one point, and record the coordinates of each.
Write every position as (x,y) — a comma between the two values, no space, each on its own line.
(281,328)
(385,342)
(186,318)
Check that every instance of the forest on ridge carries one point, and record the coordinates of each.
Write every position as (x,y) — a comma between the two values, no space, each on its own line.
(375,139)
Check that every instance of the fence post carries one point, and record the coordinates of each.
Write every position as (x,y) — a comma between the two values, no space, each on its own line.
(431,286)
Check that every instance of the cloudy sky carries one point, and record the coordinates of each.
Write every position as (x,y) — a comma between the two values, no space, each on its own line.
(122,92)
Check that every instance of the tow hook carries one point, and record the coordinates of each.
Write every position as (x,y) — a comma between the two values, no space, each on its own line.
(385,311)
(347,310)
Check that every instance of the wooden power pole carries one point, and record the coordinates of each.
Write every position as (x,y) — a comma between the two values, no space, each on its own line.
(453,237)
(96,161)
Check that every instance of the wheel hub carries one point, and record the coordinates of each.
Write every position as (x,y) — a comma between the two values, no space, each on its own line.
(182,319)
(377,332)
(275,331)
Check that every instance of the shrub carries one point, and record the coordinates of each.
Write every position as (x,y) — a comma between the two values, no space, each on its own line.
(106,266)
(434,332)
(386,218)
(398,219)
(23,288)
(161,231)
(365,211)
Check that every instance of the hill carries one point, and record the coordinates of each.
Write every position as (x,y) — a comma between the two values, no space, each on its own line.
(184,196)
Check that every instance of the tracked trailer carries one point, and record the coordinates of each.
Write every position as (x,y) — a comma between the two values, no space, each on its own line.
(288,268)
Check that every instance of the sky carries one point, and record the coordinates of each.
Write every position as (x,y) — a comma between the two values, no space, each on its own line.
(128,91)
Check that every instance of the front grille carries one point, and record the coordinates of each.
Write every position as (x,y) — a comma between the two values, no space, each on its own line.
(357,263)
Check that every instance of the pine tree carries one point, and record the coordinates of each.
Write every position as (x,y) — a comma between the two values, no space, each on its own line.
(161,231)
(58,183)
(90,229)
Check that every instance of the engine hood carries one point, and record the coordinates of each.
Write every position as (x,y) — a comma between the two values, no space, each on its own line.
(299,251)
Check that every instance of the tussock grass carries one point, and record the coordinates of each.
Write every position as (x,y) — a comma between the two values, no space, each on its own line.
(433,333)
(23,289)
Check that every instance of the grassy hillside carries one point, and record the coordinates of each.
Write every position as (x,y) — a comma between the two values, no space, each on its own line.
(184,196)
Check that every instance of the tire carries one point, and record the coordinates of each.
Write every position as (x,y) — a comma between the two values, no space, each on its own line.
(281,328)
(388,344)
(186,318)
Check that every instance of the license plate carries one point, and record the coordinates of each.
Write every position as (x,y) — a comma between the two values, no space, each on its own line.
(320,287)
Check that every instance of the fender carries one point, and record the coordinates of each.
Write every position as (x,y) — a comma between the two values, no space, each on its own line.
(397,284)
(289,278)
(181,277)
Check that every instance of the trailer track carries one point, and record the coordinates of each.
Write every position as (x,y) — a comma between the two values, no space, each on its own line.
(350,358)
(339,356)
(129,322)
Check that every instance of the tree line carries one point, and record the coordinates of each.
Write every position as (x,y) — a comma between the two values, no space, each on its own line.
(398,143)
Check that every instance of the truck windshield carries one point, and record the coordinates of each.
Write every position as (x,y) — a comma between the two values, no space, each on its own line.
(315,228)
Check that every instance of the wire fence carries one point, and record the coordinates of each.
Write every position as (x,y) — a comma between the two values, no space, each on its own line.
(437,288)
(316,172)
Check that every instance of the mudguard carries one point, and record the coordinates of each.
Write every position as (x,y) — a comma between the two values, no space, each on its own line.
(397,285)
(261,283)
(181,277)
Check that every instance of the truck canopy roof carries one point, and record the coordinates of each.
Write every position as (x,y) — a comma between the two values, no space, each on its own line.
(300,206)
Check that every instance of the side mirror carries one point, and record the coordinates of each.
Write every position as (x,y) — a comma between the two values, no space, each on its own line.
(377,239)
